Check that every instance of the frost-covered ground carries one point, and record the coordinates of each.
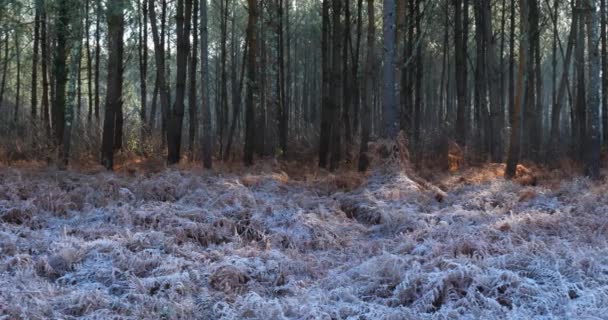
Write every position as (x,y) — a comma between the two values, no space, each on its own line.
(188,244)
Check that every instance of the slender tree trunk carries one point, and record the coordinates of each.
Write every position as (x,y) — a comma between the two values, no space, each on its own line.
(4,67)
(514,147)
(159,55)
(97,58)
(206,105)
(580,127)
(143,62)
(223,114)
(251,82)
(60,69)
(72,94)
(44,70)
(554,144)
(18,91)
(34,97)
(176,118)
(116,24)
(87,31)
(367,92)
(604,55)
(594,145)
(192,112)
(389,101)
(326,123)
(460,40)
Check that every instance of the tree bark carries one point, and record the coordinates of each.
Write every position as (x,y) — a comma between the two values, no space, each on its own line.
(515,139)
(176,117)
(594,145)
(206,105)
(367,92)
(116,24)
(389,101)
(251,82)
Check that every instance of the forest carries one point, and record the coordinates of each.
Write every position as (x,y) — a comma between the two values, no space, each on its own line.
(303,159)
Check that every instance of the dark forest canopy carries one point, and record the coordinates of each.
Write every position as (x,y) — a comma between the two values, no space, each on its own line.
(464,80)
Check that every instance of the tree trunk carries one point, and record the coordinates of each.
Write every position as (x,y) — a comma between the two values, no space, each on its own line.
(44,70)
(89,62)
(251,82)
(554,144)
(143,62)
(389,100)
(60,71)
(4,68)
(192,112)
(326,123)
(116,24)
(72,95)
(176,118)
(159,55)
(206,105)
(514,147)
(594,145)
(18,91)
(460,47)
(604,55)
(34,97)
(97,58)
(367,92)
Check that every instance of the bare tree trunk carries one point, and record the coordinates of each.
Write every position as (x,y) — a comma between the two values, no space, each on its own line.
(18,91)
(193,114)
(60,70)
(206,105)
(44,71)
(159,55)
(4,67)
(594,145)
(326,123)
(460,47)
(143,62)
(72,94)
(87,29)
(97,57)
(514,147)
(554,144)
(34,97)
(389,101)
(251,82)
(116,24)
(367,92)
(176,118)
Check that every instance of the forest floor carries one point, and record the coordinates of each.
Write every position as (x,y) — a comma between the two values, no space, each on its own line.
(286,241)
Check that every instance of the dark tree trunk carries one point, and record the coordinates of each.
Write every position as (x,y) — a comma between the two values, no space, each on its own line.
(389,100)
(34,100)
(89,61)
(192,112)
(116,24)
(44,70)
(60,71)
(326,123)
(594,145)
(206,105)
(18,89)
(4,68)
(159,55)
(514,147)
(460,47)
(251,82)
(143,62)
(176,117)
(97,58)
(367,92)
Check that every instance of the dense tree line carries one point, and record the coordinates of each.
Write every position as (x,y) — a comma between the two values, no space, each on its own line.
(501,80)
